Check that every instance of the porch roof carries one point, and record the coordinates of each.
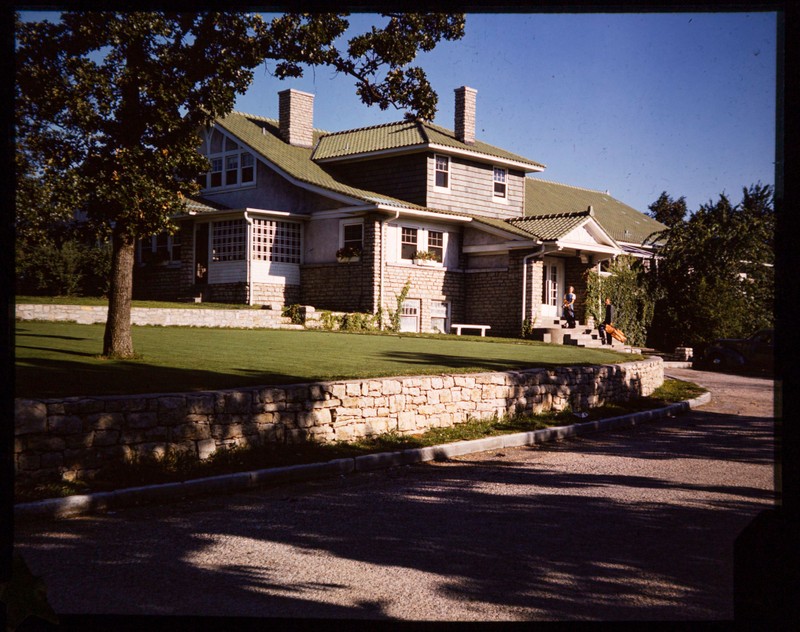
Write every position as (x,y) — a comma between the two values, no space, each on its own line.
(620,221)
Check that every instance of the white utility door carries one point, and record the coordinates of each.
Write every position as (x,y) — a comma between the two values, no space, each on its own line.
(552,286)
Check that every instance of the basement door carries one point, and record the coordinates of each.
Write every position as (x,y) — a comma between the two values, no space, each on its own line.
(552,286)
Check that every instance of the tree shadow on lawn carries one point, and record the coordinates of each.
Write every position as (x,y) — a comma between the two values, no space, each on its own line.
(46,378)
(457,361)
(555,543)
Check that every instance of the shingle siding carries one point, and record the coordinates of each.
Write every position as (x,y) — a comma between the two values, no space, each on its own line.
(402,177)
(472,190)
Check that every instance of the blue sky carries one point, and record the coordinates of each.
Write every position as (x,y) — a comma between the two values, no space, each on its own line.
(635,104)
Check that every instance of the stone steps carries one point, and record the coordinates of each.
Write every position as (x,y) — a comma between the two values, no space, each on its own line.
(554,331)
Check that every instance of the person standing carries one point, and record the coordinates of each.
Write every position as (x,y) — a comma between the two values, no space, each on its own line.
(608,319)
(568,312)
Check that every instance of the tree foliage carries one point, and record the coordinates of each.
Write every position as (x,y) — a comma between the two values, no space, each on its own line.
(716,272)
(668,211)
(629,290)
(109,107)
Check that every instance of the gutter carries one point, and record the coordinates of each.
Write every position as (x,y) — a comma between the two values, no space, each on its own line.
(248,255)
(383,257)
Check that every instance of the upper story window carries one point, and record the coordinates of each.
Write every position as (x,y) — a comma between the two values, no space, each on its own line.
(500,176)
(276,241)
(228,240)
(231,165)
(442,171)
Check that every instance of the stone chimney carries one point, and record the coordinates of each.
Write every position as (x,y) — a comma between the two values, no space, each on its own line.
(465,114)
(296,117)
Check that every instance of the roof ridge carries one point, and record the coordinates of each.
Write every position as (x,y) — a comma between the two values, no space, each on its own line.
(269,119)
(569,186)
(551,216)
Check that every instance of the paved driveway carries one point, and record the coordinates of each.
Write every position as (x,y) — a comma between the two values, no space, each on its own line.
(631,525)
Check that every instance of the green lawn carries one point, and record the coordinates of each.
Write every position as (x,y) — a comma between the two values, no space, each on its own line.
(62,359)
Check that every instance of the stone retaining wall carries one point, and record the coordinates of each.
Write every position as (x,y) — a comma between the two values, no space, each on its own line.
(73,438)
(92,314)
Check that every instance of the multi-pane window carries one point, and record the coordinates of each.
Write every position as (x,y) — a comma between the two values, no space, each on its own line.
(228,240)
(163,248)
(436,244)
(409,315)
(408,243)
(499,182)
(231,165)
(439,316)
(248,168)
(276,241)
(442,171)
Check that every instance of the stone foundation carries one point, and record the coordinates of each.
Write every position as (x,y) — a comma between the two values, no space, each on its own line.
(75,437)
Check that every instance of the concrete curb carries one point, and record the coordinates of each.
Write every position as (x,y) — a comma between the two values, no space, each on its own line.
(71,506)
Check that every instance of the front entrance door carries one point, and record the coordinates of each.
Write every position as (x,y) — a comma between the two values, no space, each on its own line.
(552,286)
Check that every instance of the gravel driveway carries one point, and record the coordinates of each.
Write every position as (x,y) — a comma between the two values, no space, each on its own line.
(636,524)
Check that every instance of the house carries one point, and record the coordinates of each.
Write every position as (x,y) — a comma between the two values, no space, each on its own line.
(479,239)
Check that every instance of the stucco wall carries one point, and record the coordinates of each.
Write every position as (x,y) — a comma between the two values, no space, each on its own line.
(73,438)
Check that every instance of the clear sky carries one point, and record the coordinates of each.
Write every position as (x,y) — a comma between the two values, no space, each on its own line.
(635,104)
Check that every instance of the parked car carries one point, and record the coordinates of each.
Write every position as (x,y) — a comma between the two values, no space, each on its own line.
(740,354)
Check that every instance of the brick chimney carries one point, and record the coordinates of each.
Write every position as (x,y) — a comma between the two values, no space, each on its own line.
(296,117)
(465,114)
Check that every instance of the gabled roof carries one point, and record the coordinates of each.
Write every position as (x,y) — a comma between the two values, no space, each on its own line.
(622,222)
(197,204)
(550,227)
(261,135)
(408,136)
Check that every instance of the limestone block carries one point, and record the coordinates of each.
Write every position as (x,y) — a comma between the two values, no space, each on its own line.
(51,460)
(65,424)
(105,421)
(205,448)
(392,387)
(406,421)
(105,437)
(316,417)
(200,404)
(142,420)
(29,416)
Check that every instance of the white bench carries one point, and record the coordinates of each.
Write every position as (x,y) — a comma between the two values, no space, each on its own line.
(458,328)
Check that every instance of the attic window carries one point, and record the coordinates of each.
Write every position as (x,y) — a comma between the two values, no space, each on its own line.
(230,167)
(500,182)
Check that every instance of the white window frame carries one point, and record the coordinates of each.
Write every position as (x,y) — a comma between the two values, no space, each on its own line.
(228,240)
(345,223)
(495,172)
(276,241)
(445,307)
(410,309)
(436,171)
(423,233)
(222,159)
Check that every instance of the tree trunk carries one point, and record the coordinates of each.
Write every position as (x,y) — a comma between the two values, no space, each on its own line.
(117,342)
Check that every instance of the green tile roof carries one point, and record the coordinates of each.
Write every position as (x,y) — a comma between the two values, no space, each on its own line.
(197,204)
(405,135)
(622,222)
(550,227)
(261,134)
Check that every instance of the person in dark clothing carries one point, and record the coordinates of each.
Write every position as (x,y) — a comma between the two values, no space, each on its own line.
(568,311)
(607,320)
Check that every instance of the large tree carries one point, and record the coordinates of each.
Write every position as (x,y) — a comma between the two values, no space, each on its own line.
(109,106)
(716,271)
(668,211)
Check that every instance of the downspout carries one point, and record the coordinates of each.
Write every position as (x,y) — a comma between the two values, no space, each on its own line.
(383,259)
(537,253)
(248,253)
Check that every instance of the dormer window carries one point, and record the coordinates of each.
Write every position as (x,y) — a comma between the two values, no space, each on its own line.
(231,164)
(500,182)
(442,171)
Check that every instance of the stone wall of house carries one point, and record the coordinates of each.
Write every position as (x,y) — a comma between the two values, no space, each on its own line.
(74,438)
(337,286)
(271,294)
(427,285)
(156,282)
(92,314)
(495,298)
